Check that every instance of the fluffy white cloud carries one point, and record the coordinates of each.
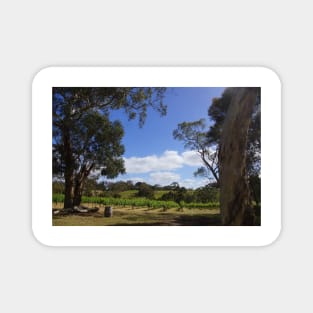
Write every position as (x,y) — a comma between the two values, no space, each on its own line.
(163,178)
(135,179)
(191,158)
(169,160)
(166,178)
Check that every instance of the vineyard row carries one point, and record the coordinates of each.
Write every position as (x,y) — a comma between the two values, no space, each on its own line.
(59,198)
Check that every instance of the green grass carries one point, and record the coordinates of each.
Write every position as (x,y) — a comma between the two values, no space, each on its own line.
(159,193)
(140,212)
(142,217)
(128,194)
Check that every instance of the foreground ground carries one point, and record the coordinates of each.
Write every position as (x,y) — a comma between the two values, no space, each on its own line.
(129,216)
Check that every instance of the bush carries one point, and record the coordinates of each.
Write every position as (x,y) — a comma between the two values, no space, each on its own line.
(146,191)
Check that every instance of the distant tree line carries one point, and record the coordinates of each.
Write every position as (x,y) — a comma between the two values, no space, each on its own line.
(172,192)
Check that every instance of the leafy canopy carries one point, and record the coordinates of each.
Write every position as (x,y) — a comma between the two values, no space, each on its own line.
(217,113)
(84,138)
(194,135)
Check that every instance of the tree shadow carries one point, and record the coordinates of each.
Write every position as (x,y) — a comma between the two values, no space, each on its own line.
(199,220)
(140,224)
(181,220)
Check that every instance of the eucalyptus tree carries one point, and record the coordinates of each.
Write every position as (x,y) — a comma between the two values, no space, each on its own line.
(230,150)
(194,135)
(235,199)
(85,140)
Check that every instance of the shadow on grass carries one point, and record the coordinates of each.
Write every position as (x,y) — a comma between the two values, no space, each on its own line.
(181,220)
(140,219)
(141,224)
(199,220)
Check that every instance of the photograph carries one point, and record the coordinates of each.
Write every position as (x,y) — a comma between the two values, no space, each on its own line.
(156,156)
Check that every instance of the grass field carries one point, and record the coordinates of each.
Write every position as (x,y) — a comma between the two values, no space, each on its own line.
(132,194)
(141,216)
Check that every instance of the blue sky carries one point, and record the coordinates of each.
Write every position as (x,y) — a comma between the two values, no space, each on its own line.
(151,153)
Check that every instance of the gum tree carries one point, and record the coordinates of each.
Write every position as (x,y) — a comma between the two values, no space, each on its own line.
(235,200)
(85,140)
(244,130)
(194,135)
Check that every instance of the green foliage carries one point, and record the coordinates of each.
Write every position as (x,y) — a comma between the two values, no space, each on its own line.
(145,190)
(209,205)
(120,186)
(84,137)
(180,195)
(91,186)
(206,194)
(151,204)
(197,136)
(129,194)
(217,113)
(133,100)
(159,193)
(94,140)
(194,136)
(168,196)
(57,198)
(177,195)
(57,187)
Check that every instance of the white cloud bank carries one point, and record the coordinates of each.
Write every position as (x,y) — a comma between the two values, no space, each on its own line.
(191,158)
(163,178)
(166,178)
(169,160)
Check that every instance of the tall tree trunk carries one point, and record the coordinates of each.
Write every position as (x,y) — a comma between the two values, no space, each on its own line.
(69,171)
(235,200)
(79,184)
(69,190)
(78,192)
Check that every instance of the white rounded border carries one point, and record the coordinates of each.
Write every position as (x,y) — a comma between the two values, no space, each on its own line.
(262,235)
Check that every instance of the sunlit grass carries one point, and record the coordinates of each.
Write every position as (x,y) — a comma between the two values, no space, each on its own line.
(143,216)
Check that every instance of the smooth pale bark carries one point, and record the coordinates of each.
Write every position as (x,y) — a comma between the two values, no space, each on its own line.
(236,208)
